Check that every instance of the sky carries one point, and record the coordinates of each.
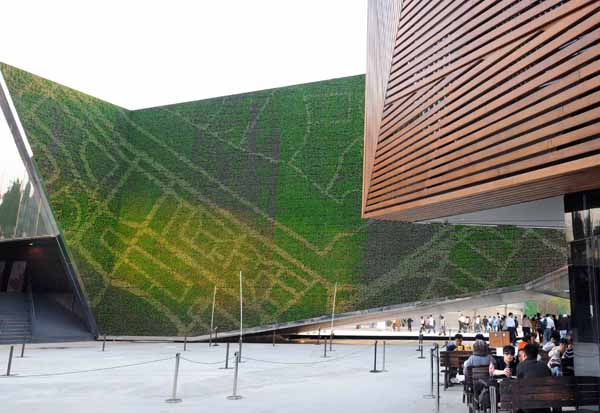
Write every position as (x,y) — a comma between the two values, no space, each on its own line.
(139,54)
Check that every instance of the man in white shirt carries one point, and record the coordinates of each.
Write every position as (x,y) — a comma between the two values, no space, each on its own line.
(511,327)
(549,328)
(431,324)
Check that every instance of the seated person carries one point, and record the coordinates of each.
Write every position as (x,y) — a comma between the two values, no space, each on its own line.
(568,358)
(553,342)
(458,338)
(480,356)
(555,355)
(458,343)
(530,366)
(527,339)
(507,366)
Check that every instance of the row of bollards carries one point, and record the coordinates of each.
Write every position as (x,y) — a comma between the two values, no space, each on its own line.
(10,357)
(375,370)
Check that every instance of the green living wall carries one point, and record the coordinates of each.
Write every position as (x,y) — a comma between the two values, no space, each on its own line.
(160,205)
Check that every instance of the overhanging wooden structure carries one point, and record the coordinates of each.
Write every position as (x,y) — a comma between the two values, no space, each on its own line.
(474,105)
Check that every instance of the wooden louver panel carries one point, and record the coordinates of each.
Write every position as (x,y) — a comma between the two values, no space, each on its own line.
(487,104)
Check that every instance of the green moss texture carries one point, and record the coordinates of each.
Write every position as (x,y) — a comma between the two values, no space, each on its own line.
(160,205)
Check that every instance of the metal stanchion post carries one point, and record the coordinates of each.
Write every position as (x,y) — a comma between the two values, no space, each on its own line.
(104,343)
(437,375)
(174,398)
(240,351)
(210,338)
(235,396)
(226,359)
(331,341)
(383,364)
(430,395)
(215,344)
(319,338)
(184,343)
(325,349)
(10,356)
(22,349)
(421,346)
(375,359)
(273,338)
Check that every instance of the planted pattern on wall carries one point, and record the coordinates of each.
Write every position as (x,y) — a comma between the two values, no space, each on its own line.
(160,205)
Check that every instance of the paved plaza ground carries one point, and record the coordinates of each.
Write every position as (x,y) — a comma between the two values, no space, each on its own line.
(340,383)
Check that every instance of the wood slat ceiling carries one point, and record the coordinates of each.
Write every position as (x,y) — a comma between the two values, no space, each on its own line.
(482,97)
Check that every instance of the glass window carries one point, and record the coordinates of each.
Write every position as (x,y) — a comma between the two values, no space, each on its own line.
(23,210)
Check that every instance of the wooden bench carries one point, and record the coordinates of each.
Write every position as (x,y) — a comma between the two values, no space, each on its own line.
(472,376)
(452,361)
(549,392)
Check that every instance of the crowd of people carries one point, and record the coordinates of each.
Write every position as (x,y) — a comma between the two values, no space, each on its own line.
(545,349)
(543,325)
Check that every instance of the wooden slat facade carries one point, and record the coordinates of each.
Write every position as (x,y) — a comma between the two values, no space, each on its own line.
(486,104)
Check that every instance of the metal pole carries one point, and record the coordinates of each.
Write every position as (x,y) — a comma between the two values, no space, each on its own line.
(437,375)
(375,359)
(212,316)
(235,396)
(174,398)
(184,343)
(226,358)
(332,318)
(210,337)
(319,338)
(10,356)
(421,346)
(383,367)
(325,349)
(104,343)
(273,338)
(430,395)
(241,310)
(240,351)
(22,349)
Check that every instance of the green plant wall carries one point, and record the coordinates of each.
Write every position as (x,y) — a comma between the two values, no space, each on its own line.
(160,205)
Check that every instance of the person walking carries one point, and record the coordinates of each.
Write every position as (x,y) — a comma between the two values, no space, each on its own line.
(485,323)
(409,324)
(549,328)
(430,324)
(563,326)
(511,326)
(461,324)
(442,325)
(540,326)
(526,325)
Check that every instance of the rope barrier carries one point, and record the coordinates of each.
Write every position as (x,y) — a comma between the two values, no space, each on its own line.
(205,362)
(307,362)
(93,370)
